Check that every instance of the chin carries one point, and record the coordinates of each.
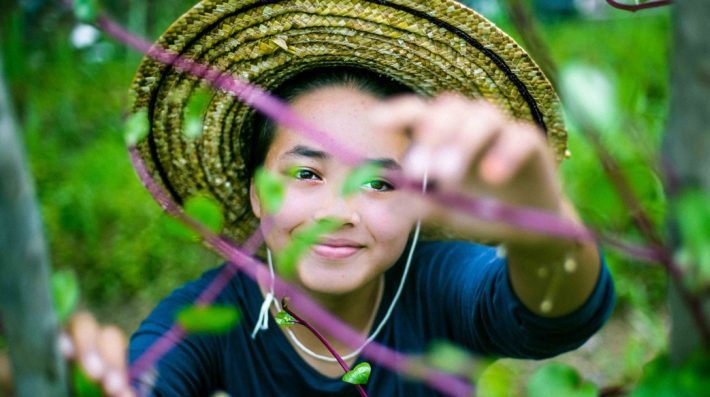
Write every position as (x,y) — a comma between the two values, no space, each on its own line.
(331,280)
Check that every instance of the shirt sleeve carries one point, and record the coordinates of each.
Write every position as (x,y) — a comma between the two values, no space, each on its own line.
(484,314)
(187,369)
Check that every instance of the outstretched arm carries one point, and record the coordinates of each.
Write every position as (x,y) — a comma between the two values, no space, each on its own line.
(472,148)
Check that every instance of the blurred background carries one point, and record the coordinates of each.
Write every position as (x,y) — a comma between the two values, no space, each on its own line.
(69,83)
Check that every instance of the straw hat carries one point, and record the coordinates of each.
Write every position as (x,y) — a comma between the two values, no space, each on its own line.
(429,45)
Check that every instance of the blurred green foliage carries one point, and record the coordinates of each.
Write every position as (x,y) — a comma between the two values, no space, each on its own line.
(71,103)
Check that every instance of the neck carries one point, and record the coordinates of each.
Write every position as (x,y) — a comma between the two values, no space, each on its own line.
(357,308)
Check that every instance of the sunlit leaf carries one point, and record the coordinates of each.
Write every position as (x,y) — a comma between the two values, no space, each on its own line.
(65,291)
(85,10)
(358,375)
(285,319)
(136,127)
(208,319)
(270,189)
(590,97)
(497,380)
(194,113)
(558,379)
(360,176)
(83,385)
(205,210)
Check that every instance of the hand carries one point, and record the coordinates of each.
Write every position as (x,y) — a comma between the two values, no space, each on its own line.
(100,351)
(472,148)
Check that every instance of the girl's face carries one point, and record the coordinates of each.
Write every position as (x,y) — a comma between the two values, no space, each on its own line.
(370,237)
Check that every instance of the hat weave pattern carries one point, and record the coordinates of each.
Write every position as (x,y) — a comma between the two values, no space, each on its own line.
(430,46)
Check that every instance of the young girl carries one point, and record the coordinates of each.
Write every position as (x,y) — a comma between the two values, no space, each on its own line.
(362,71)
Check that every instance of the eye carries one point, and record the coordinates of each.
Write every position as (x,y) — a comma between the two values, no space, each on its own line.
(304,174)
(378,186)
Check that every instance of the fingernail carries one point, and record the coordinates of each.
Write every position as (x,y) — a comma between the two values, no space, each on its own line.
(417,162)
(66,346)
(93,364)
(114,382)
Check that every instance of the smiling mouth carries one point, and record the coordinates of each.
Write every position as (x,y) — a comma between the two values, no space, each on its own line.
(335,250)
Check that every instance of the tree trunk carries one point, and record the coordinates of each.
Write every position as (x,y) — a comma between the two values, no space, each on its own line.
(28,316)
(686,148)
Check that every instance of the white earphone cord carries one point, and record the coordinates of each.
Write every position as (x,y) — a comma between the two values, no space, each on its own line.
(263,321)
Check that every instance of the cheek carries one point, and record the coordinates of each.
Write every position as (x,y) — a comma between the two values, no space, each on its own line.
(386,225)
(295,210)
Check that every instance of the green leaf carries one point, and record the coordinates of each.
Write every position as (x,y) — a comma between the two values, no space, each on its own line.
(205,210)
(497,380)
(558,379)
(194,113)
(213,319)
(448,357)
(285,319)
(85,10)
(179,230)
(301,243)
(662,379)
(136,128)
(692,211)
(65,291)
(270,189)
(358,375)
(360,176)
(590,97)
(83,385)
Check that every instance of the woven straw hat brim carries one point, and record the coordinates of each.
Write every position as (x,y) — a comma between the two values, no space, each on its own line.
(430,46)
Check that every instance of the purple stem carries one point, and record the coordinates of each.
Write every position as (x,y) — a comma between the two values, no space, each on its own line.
(328,346)
(640,6)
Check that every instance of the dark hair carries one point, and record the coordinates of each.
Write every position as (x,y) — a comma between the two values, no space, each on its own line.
(264,128)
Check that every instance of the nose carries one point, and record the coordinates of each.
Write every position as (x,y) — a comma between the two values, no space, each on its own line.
(338,208)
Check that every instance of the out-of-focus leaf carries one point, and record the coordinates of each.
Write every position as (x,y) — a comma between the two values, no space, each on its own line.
(497,380)
(65,290)
(84,386)
(85,10)
(285,319)
(206,210)
(358,375)
(360,176)
(558,379)
(590,97)
(208,319)
(661,379)
(194,113)
(301,243)
(270,189)
(692,211)
(448,357)
(136,128)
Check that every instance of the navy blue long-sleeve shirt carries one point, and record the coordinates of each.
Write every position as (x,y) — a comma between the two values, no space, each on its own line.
(455,291)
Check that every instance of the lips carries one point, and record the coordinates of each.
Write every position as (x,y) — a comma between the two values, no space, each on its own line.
(330,248)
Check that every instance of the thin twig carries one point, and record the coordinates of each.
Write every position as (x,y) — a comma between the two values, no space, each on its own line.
(325,343)
(640,6)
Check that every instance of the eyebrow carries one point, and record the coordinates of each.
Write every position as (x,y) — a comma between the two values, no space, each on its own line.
(305,151)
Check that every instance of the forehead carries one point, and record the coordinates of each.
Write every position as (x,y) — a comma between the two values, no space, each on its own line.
(343,113)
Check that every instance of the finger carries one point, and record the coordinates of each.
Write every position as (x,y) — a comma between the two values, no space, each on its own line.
(398,112)
(437,127)
(510,152)
(84,331)
(452,162)
(112,347)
